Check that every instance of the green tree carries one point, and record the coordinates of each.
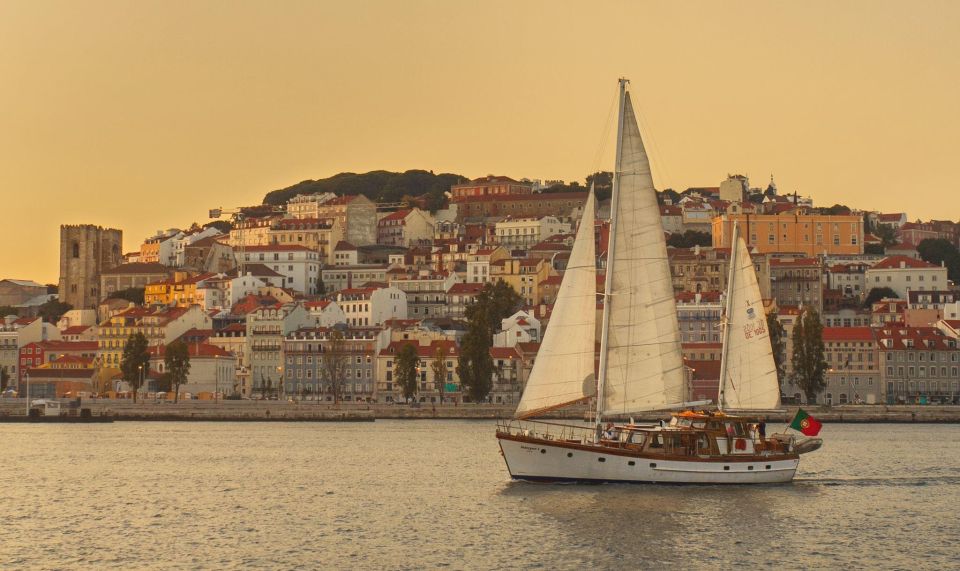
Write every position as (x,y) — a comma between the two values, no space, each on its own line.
(439,366)
(177,362)
(406,370)
(476,364)
(886,233)
(689,239)
(135,363)
(778,344)
(809,365)
(603,184)
(133,295)
(333,368)
(494,303)
(4,379)
(6,310)
(53,310)
(876,294)
(876,249)
(939,251)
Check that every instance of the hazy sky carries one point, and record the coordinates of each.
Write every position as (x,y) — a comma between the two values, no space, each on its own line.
(143,115)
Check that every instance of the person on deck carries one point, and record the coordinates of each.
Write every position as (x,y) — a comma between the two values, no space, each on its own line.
(609,433)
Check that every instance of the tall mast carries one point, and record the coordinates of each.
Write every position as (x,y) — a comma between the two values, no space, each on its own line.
(728,306)
(608,283)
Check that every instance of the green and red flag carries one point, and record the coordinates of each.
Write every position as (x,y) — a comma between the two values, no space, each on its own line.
(806,424)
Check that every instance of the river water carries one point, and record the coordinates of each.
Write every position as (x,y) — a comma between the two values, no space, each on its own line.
(435,494)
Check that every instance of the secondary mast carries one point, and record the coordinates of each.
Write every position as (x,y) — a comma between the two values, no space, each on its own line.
(608,283)
(728,306)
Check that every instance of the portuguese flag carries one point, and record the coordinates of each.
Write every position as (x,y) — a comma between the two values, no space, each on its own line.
(805,423)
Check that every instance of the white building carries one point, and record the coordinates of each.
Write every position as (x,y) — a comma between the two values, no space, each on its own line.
(405,228)
(337,278)
(224,292)
(266,328)
(903,275)
(326,313)
(212,369)
(306,206)
(299,265)
(183,239)
(368,306)
(521,327)
(514,232)
(426,292)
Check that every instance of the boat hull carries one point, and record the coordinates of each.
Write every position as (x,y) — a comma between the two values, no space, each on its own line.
(552,461)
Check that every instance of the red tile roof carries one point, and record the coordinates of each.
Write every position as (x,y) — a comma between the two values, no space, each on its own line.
(277,248)
(425,352)
(895,262)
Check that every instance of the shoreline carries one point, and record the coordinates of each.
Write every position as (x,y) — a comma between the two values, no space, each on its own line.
(12,410)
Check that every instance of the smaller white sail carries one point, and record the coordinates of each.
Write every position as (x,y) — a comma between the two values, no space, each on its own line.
(564,370)
(749,374)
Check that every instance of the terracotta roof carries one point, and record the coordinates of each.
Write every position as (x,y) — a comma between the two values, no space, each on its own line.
(465,289)
(548,196)
(63,345)
(277,248)
(895,262)
(75,329)
(195,350)
(344,245)
(137,268)
(398,215)
(504,353)
(425,352)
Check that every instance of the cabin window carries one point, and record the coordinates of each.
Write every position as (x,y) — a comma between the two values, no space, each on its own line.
(543,450)
(653,464)
(631,463)
(569,454)
(601,459)
(726,467)
(768,466)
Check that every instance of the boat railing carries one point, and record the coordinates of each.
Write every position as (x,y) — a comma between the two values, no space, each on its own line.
(547,430)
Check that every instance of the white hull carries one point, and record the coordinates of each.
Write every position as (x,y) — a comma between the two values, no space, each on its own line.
(543,461)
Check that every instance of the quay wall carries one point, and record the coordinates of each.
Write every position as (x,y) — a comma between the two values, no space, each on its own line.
(283,411)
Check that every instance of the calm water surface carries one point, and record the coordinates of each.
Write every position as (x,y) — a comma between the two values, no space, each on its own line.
(424,494)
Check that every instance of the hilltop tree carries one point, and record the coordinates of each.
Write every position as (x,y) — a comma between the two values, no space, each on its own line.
(52,310)
(886,233)
(939,251)
(809,365)
(878,293)
(177,362)
(406,370)
(689,239)
(133,295)
(135,363)
(778,344)
(439,367)
(494,303)
(333,369)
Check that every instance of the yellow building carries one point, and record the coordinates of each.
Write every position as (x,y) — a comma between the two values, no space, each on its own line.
(180,290)
(524,274)
(792,232)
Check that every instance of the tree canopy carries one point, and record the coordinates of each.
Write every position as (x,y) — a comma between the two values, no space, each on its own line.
(689,239)
(53,310)
(176,360)
(133,295)
(333,368)
(778,344)
(135,363)
(378,186)
(809,365)
(406,370)
(937,251)
(878,293)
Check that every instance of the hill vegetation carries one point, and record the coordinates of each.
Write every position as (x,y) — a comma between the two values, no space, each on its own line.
(378,186)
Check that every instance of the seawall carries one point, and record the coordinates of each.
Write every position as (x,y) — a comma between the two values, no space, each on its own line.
(281,411)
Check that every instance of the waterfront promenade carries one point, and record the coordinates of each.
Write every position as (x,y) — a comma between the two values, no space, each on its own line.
(284,411)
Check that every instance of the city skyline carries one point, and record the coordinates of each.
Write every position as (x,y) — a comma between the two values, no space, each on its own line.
(144,116)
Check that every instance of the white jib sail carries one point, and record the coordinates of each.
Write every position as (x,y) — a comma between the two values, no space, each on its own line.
(750,374)
(563,372)
(644,363)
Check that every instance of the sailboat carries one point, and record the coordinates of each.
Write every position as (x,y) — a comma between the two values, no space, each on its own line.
(641,365)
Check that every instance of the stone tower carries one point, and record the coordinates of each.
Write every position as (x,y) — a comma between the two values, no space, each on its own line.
(85,252)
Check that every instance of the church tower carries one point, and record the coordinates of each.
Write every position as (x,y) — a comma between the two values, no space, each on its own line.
(85,252)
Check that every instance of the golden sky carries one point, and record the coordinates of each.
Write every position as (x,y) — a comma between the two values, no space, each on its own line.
(143,115)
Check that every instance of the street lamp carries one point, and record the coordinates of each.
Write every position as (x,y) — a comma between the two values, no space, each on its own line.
(282,389)
(140,368)
(26,380)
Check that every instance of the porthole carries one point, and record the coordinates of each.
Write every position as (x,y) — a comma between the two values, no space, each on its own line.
(570,455)
(631,463)
(768,466)
(726,467)
(749,467)
(601,459)
(543,450)
(653,464)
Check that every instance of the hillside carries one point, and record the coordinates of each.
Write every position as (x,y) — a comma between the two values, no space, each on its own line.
(379,186)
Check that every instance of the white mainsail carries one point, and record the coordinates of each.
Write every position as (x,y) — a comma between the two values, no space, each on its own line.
(564,370)
(748,373)
(644,366)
